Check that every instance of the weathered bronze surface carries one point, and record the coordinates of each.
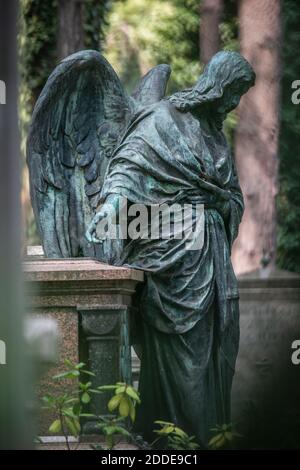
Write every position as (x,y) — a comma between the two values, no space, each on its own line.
(154,150)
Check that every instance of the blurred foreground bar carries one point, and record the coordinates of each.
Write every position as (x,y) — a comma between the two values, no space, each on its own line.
(15,426)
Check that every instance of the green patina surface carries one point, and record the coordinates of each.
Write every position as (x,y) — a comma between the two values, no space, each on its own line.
(89,144)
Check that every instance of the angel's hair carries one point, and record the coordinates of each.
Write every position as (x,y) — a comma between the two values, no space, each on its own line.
(223,69)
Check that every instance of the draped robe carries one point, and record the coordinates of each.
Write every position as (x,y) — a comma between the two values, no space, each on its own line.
(187,309)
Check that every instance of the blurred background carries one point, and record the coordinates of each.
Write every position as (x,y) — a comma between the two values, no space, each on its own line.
(135,35)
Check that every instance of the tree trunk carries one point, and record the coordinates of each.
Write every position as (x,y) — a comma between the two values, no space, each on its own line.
(70,27)
(256,138)
(211,12)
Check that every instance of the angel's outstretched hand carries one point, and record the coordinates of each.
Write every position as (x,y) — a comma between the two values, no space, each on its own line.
(90,234)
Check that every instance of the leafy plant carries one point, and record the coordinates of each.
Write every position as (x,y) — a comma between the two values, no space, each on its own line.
(223,438)
(113,428)
(125,399)
(176,438)
(68,407)
(68,410)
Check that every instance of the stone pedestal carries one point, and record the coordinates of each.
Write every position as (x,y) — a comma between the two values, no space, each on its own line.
(91,303)
(266,388)
(106,331)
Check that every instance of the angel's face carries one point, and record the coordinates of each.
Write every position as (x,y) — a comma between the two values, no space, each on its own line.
(231,97)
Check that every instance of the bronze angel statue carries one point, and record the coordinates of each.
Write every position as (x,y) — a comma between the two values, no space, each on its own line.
(89,145)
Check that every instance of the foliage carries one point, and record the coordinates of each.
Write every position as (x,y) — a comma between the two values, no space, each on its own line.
(37,39)
(176,438)
(229,26)
(68,407)
(38,57)
(125,399)
(288,201)
(176,42)
(95,21)
(130,36)
(144,33)
(113,428)
(223,438)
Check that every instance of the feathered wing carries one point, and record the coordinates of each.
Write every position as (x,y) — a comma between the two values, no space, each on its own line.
(77,122)
(152,87)
(78,119)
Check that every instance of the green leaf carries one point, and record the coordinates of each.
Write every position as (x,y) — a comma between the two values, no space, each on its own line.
(106,387)
(69,412)
(49,401)
(88,372)
(122,431)
(67,375)
(55,426)
(47,398)
(217,441)
(124,406)
(114,402)
(180,433)
(168,430)
(220,443)
(110,430)
(229,436)
(68,363)
(79,365)
(85,398)
(110,441)
(133,394)
(164,423)
(73,426)
(71,400)
(214,439)
(77,408)
(132,411)
(194,446)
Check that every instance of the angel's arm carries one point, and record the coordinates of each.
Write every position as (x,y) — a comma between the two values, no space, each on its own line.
(235,209)
(109,211)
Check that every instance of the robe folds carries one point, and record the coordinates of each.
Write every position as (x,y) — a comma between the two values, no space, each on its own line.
(187,318)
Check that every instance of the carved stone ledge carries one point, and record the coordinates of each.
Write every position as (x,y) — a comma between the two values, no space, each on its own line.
(70,282)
